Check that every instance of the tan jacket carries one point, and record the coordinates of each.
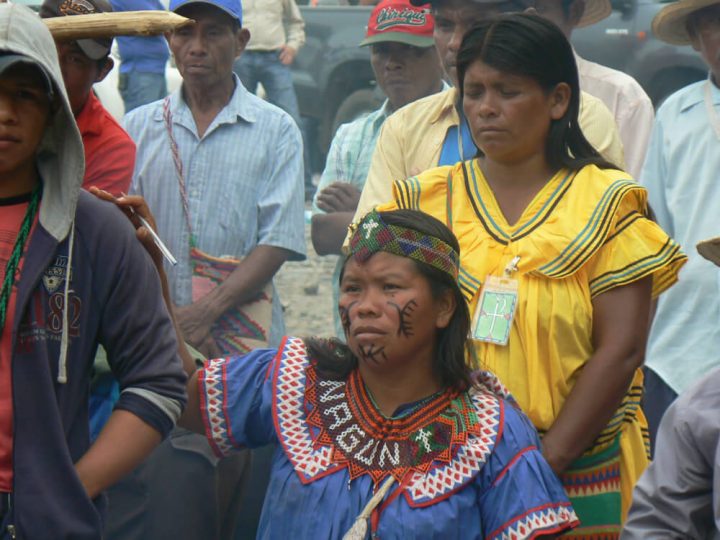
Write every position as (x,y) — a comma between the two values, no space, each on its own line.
(267,20)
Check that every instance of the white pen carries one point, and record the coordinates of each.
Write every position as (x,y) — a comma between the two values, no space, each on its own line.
(159,243)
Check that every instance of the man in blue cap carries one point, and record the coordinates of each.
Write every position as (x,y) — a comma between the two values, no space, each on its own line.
(221,170)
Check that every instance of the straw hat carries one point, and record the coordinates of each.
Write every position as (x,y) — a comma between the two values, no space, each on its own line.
(595,11)
(710,249)
(669,24)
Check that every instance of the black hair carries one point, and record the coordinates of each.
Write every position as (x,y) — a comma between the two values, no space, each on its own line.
(528,45)
(336,360)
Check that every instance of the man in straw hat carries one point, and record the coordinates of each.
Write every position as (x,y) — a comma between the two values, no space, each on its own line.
(681,176)
(623,95)
(425,134)
(109,151)
(677,496)
(406,67)
(71,269)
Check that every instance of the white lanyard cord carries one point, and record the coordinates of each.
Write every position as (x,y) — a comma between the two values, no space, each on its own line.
(460,141)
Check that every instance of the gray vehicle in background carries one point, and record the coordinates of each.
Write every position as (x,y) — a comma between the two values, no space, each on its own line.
(335,84)
(625,41)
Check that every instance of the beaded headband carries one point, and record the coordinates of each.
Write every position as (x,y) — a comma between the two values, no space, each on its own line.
(372,234)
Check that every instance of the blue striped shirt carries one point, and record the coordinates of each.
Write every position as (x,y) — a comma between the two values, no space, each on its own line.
(243,177)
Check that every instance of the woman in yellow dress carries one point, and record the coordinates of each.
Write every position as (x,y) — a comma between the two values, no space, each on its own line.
(558,261)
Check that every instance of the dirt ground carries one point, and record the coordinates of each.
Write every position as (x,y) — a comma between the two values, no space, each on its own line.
(305,290)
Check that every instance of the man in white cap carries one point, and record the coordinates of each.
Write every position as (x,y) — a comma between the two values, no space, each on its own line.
(623,95)
(681,176)
(677,496)
(425,134)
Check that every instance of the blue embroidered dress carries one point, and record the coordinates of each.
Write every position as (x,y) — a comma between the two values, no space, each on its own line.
(467,464)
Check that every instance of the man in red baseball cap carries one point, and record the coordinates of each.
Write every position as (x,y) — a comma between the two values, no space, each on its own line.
(431,131)
(407,68)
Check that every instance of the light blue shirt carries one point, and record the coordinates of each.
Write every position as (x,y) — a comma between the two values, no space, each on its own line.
(244,183)
(682,176)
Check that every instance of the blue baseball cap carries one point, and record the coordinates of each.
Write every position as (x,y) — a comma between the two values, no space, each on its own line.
(231,7)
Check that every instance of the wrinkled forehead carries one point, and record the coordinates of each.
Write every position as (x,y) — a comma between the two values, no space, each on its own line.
(205,13)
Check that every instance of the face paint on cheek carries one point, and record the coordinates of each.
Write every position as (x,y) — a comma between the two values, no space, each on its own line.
(405,323)
(372,353)
(345,317)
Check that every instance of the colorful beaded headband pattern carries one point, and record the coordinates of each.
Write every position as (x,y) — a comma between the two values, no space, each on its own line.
(372,234)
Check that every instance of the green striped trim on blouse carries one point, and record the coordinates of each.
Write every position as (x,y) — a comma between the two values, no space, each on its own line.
(494,229)
(408,193)
(481,210)
(626,413)
(624,222)
(468,284)
(592,235)
(645,432)
(669,252)
(547,208)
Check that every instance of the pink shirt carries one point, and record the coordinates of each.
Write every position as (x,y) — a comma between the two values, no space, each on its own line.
(628,103)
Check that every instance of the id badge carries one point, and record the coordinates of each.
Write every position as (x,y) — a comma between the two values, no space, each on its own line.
(495,310)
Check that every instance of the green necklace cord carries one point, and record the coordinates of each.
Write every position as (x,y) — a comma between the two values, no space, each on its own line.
(14,260)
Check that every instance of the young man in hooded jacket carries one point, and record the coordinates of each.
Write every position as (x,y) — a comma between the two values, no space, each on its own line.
(73,275)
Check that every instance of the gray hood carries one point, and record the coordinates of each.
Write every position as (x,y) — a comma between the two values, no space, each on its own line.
(60,158)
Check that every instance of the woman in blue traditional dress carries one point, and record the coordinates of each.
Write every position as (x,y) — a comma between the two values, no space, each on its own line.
(390,434)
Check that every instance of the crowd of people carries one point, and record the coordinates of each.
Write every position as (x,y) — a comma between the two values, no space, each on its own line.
(525,333)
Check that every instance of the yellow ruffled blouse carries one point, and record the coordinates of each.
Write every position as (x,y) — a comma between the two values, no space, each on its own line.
(583,234)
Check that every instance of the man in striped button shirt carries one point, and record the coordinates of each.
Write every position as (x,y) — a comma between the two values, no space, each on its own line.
(240,160)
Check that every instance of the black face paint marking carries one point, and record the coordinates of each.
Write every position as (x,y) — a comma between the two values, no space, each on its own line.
(372,352)
(405,325)
(345,317)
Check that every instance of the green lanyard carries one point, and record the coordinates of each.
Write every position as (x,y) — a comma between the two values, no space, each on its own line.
(16,255)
